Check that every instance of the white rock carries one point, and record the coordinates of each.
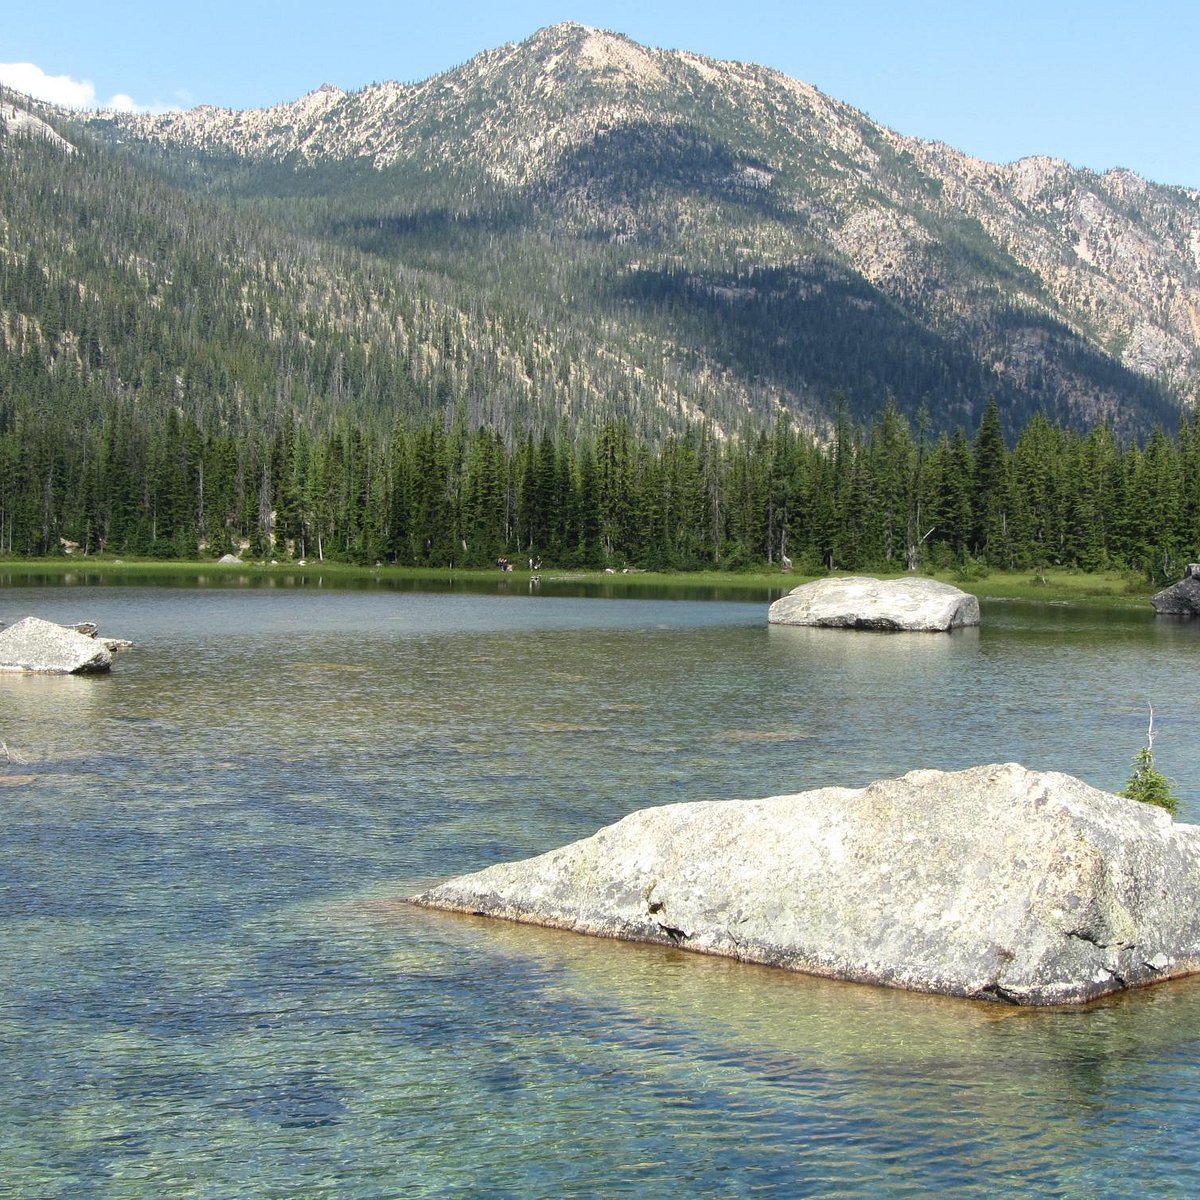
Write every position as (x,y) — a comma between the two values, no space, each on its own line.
(995,883)
(912,603)
(41,647)
(19,121)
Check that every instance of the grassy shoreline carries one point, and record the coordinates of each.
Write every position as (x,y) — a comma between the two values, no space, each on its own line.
(1107,589)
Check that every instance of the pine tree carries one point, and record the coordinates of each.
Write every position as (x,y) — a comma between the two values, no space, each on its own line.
(1147,784)
(991,490)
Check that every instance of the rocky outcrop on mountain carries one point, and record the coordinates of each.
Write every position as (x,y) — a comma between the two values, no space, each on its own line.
(37,647)
(993,883)
(1030,263)
(23,123)
(1115,254)
(914,604)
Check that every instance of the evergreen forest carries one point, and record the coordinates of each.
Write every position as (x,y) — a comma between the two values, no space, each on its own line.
(881,497)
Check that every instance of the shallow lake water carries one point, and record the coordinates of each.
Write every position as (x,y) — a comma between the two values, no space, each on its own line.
(211,986)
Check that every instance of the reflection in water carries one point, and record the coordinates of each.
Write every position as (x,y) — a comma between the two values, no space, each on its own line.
(802,642)
(885,1078)
(42,716)
(386,581)
(210,987)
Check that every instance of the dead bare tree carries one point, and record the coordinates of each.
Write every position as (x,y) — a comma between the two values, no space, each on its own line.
(913,555)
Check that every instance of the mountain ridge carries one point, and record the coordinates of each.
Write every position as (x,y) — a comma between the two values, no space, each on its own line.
(737,222)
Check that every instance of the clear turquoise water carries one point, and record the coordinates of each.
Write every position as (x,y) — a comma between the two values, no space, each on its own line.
(209,987)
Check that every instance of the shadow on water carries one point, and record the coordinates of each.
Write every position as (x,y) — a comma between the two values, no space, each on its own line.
(767,1013)
(617,587)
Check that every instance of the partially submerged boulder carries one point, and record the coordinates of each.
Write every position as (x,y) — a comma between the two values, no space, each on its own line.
(1181,599)
(41,647)
(994,883)
(912,603)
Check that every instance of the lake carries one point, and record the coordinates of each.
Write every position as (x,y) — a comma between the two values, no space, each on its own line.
(210,987)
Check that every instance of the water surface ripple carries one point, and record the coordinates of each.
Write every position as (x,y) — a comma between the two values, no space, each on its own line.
(211,990)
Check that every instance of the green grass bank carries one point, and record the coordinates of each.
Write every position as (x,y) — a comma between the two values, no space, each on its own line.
(1099,589)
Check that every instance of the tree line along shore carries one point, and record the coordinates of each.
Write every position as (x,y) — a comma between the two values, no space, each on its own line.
(440,494)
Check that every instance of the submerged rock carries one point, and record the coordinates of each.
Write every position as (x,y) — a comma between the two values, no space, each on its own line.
(1181,599)
(41,647)
(912,604)
(994,883)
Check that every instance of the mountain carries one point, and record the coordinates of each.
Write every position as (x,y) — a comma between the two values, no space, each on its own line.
(578,227)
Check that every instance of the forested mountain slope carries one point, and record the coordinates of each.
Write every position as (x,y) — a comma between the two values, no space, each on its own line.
(117,284)
(574,230)
(737,226)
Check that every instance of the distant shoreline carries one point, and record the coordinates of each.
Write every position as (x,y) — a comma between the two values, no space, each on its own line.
(1101,589)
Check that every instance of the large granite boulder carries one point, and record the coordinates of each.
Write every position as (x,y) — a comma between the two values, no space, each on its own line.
(862,602)
(41,647)
(994,883)
(1181,599)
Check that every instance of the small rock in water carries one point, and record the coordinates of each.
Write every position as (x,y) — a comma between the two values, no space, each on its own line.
(1181,599)
(39,647)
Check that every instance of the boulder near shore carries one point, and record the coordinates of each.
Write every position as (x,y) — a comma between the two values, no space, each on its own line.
(37,647)
(911,604)
(1181,599)
(993,883)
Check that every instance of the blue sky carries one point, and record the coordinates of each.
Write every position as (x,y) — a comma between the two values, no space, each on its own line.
(1100,83)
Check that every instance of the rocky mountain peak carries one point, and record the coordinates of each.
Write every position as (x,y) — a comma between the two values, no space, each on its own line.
(599,54)
(712,163)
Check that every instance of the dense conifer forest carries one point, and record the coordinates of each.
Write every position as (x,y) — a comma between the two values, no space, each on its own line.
(102,477)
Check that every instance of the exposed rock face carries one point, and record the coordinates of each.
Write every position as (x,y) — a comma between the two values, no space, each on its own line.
(23,123)
(44,648)
(1181,599)
(862,602)
(994,883)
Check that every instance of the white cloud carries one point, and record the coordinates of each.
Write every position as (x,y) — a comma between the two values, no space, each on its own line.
(57,89)
(70,93)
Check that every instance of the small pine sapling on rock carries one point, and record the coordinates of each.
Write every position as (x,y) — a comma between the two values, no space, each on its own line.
(1147,783)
